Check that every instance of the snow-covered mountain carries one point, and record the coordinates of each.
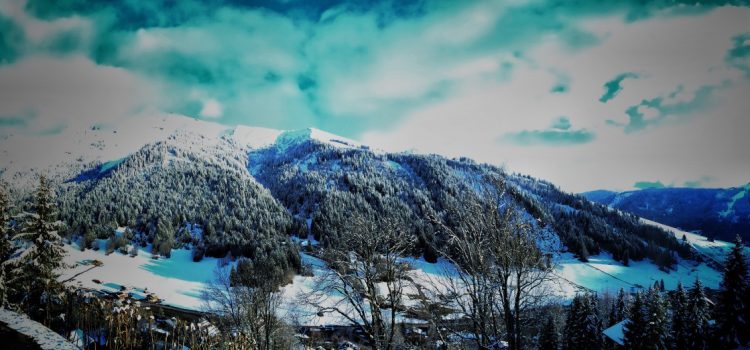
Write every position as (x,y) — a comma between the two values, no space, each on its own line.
(179,183)
(719,213)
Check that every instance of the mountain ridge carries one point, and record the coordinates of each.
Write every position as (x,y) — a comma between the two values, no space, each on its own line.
(715,212)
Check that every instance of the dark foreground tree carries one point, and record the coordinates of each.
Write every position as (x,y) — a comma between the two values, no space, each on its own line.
(34,268)
(731,328)
(699,313)
(583,328)
(549,339)
(680,318)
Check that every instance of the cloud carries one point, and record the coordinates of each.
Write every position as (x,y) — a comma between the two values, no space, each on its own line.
(701,182)
(11,40)
(613,87)
(444,77)
(739,55)
(211,109)
(562,123)
(658,110)
(44,94)
(550,137)
(643,185)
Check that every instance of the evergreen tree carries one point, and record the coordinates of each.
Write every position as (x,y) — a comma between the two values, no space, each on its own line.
(636,325)
(621,306)
(731,325)
(35,268)
(164,238)
(680,320)
(698,329)
(571,333)
(549,339)
(657,332)
(583,327)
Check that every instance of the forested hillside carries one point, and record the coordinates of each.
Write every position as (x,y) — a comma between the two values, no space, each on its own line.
(221,196)
(713,212)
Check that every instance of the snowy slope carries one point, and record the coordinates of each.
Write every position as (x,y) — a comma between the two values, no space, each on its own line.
(715,251)
(178,280)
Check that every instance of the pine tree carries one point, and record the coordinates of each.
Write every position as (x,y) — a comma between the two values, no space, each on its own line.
(549,339)
(583,327)
(731,325)
(164,238)
(657,332)
(698,329)
(35,268)
(636,325)
(572,333)
(680,319)
(621,306)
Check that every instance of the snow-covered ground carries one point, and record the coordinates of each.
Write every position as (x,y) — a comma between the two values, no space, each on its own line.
(716,250)
(43,336)
(178,281)
(603,274)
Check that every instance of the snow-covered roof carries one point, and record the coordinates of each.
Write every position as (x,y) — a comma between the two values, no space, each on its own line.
(616,332)
(43,336)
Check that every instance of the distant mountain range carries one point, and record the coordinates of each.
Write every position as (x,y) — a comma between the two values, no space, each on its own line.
(718,213)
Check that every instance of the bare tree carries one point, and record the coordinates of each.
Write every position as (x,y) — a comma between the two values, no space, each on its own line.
(501,273)
(245,313)
(366,279)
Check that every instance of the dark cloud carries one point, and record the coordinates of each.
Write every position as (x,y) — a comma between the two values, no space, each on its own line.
(614,86)
(739,55)
(664,109)
(11,40)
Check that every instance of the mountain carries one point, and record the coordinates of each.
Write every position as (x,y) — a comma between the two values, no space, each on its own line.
(248,191)
(718,213)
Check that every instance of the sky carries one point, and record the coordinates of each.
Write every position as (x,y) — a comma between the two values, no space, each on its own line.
(587,94)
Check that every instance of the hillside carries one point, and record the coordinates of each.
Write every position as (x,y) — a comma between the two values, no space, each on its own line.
(717,213)
(248,191)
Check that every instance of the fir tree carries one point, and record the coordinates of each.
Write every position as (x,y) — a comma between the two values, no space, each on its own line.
(698,329)
(657,332)
(35,268)
(680,319)
(636,325)
(731,325)
(549,339)
(621,306)
(583,327)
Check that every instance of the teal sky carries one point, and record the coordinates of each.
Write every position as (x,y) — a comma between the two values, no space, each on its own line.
(587,94)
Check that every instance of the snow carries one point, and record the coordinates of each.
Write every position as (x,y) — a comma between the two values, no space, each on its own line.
(288,138)
(616,332)
(43,336)
(737,196)
(255,137)
(715,251)
(604,274)
(178,281)
(24,153)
